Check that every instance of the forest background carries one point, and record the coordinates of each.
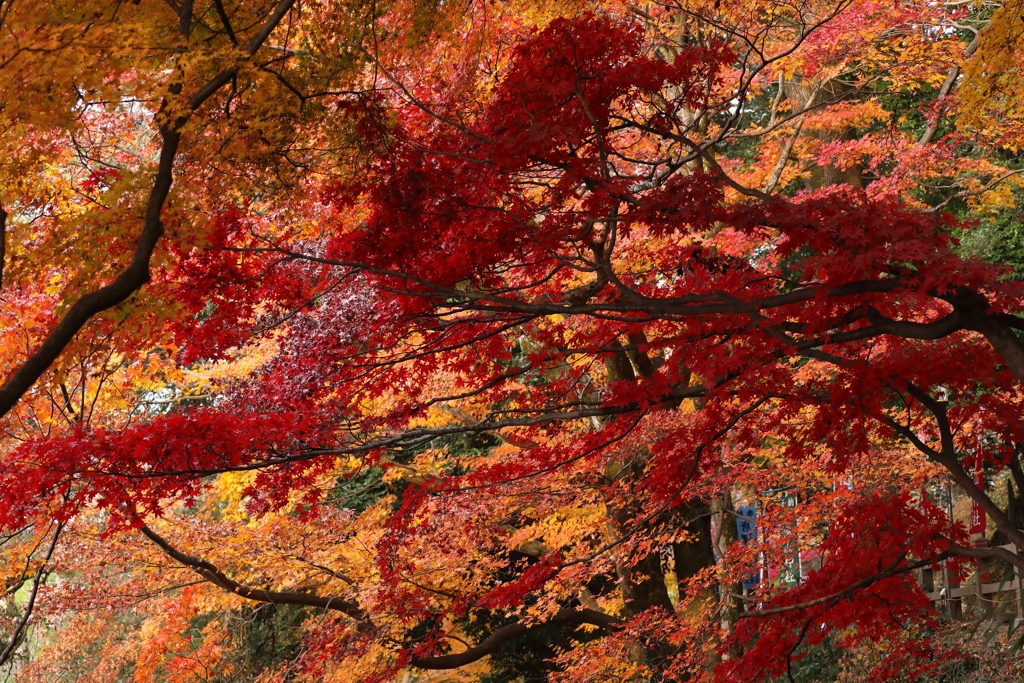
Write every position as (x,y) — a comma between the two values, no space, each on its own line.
(347,340)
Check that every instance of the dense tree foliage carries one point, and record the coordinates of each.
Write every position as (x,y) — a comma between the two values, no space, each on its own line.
(355,341)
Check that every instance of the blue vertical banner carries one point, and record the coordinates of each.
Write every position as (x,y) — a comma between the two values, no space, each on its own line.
(746,523)
(746,529)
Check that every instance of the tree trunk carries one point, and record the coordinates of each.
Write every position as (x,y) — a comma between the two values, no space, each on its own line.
(809,94)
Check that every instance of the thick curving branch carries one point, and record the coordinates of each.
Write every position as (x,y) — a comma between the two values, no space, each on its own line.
(987,553)
(136,274)
(350,608)
(218,578)
(108,296)
(505,633)
(946,456)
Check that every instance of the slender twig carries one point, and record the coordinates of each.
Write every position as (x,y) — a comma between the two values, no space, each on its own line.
(40,577)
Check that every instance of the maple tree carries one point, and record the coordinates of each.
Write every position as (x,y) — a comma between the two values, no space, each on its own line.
(427,334)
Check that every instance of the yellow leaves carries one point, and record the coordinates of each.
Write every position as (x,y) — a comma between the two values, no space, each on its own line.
(55,283)
(242,363)
(425,467)
(997,198)
(564,528)
(228,489)
(79,52)
(992,78)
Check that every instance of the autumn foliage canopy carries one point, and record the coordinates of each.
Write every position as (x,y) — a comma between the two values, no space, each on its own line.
(499,341)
